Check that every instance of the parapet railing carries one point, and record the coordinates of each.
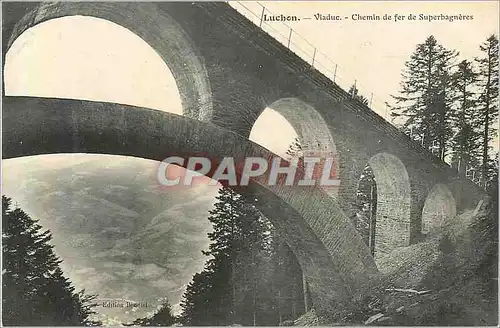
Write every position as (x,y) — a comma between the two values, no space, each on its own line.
(287,36)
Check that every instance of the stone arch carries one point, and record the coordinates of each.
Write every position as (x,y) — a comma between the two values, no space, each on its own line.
(152,25)
(392,228)
(335,262)
(439,206)
(467,194)
(311,128)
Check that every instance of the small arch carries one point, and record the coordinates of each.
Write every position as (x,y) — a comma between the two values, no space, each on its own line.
(439,207)
(392,228)
(308,126)
(279,142)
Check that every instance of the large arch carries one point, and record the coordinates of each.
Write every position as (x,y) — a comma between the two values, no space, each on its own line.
(311,128)
(156,28)
(439,206)
(336,263)
(392,228)
(88,58)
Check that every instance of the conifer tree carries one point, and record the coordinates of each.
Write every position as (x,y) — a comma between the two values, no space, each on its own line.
(488,100)
(465,142)
(199,306)
(294,150)
(252,277)
(225,292)
(162,317)
(35,292)
(354,92)
(426,96)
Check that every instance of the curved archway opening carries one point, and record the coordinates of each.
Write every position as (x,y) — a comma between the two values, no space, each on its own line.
(292,128)
(88,58)
(439,207)
(162,33)
(392,228)
(273,131)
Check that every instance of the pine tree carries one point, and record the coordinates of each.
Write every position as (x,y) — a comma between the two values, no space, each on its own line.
(35,292)
(294,150)
(354,92)
(162,317)
(465,142)
(239,235)
(488,100)
(442,111)
(426,96)
(197,304)
(85,304)
(226,291)
(252,277)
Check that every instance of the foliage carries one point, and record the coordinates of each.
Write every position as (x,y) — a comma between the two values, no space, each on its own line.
(466,141)
(488,99)
(35,291)
(426,96)
(458,288)
(251,277)
(243,281)
(295,150)
(354,92)
(451,109)
(162,317)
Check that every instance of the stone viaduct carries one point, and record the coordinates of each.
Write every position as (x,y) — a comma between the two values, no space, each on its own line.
(228,71)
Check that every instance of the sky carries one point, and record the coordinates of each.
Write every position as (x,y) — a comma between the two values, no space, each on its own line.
(373,53)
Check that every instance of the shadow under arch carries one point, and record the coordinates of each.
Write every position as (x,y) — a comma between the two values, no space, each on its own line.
(336,263)
(439,206)
(155,27)
(311,128)
(392,228)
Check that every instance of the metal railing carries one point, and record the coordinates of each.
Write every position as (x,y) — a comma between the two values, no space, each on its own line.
(286,35)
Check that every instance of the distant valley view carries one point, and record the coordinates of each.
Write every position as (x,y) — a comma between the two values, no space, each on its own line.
(119,234)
